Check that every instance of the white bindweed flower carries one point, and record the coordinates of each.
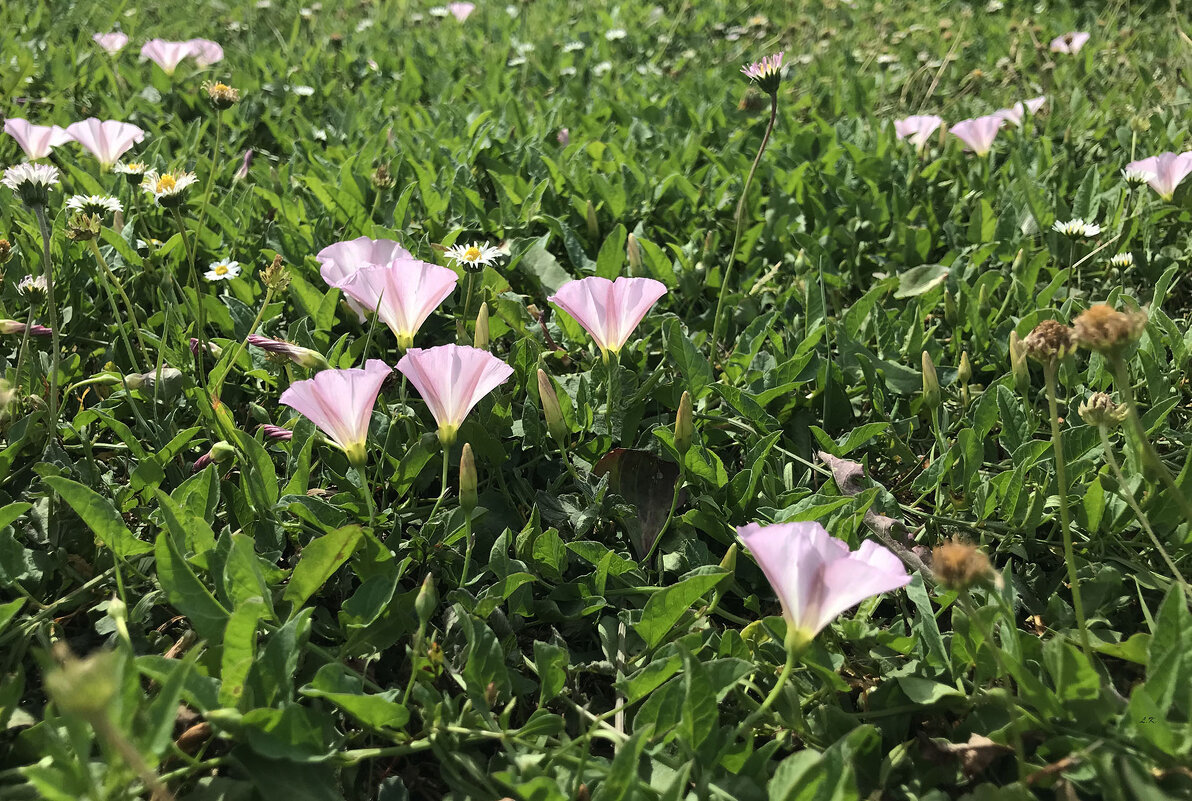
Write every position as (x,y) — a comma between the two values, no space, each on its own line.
(474,257)
(1076,227)
(1122,260)
(31,182)
(223,270)
(94,204)
(169,189)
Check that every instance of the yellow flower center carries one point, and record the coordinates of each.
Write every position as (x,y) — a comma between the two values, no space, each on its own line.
(220,87)
(472,253)
(221,269)
(166,182)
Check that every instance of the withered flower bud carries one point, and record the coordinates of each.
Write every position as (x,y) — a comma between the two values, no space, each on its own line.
(5,251)
(82,227)
(221,95)
(1100,410)
(276,277)
(1050,341)
(958,565)
(1107,330)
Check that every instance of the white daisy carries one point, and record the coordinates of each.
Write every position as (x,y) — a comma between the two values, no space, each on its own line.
(516,61)
(31,182)
(1122,260)
(571,47)
(168,188)
(567,72)
(224,270)
(1076,227)
(602,67)
(94,204)
(438,11)
(1136,177)
(30,287)
(474,257)
(615,34)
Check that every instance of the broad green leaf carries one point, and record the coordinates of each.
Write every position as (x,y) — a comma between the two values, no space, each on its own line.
(665,607)
(100,516)
(321,557)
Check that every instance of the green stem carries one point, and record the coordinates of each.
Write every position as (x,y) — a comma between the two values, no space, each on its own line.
(467,308)
(210,173)
(670,515)
(469,542)
(362,476)
(792,657)
(242,344)
(1124,491)
(1061,477)
(739,219)
(610,362)
(24,349)
(443,489)
(107,285)
(52,307)
(1122,379)
(200,313)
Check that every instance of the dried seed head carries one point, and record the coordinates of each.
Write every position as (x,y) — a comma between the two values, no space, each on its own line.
(1106,330)
(1050,341)
(1100,410)
(82,227)
(5,251)
(276,277)
(221,95)
(958,565)
(382,178)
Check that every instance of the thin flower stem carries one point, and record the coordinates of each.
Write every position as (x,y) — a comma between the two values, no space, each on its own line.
(443,490)
(242,344)
(467,308)
(415,647)
(469,542)
(132,316)
(739,221)
(24,348)
(1124,491)
(1122,378)
(200,315)
(792,657)
(52,306)
(670,515)
(362,476)
(1061,477)
(210,174)
(610,362)
(567,463)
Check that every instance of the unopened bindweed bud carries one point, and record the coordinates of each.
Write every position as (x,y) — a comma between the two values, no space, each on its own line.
(633,252)
(684,425)
(220,452)
(958,565)
(931,383)
(303,357)
(551,409)
(275,432)
(467,479)
(481,339)
(593,223)
(951,311)
(427,600)
(729,562)
(964,373)
(983,300)
(1018,367)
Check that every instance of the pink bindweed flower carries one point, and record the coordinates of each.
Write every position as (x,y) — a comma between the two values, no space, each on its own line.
(1069,43)
(242,171)
(111,43)
(608,310)
(340,403)
(918,128)
(404,292)
(452,379)
(205,51)
(338,261)
(461,11)
(36,140)
(276,432)
(303,357)
(978,134)
(1163,172)
(107,140)
(167,55)
(1017,112)
(815,576)
(767,73)
(17,327)
(563,136)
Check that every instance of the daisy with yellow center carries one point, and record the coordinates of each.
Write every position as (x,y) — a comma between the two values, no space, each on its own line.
(474,257)
(224,270)
(168,189)
(133,171)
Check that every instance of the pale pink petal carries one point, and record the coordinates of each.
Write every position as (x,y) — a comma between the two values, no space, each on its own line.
(112,43)
(205,51)
(1166,171)
(107,140)
(871,570)
(978,134)
(1069,42)
(404,292)
(340,402)
(609,310)
(461,11)
(36,140)
(338,261)
(166,55)
(918,128)
(452,379)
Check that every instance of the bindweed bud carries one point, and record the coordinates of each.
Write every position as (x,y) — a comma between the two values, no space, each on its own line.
(951,311)
(633,252)
(593,223)
(964,372)
(83,687)
(983,300)
(467,479)
(729,562)
(551,409)
(303,357)
(481,339)
(1018,367)
(220,452)
(931,383)
(427,600)
(276,432)
(684,425)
